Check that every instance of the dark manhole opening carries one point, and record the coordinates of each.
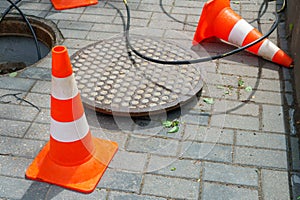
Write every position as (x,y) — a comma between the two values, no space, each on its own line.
(18,49)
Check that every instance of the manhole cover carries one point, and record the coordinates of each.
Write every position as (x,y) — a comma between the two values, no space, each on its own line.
(18,49)
(110,83)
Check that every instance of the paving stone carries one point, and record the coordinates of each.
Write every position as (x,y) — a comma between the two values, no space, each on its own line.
(39,100)
(159,24)
(118,180)
(153,7)
(260,157)
(20,147)
(107,28)
(13,128)
(295,179)
(42,87)
(75,25)
(170,187)
(153,145)
(235,121)
(165,166)
(230,174)
(262,97)
(182,10)
(16,83)
(39,131)
(214,191)
(263,84)
(13,166)
(195,117)
(208,134)
(36,73)
(76,43)
(96,18)
(273,119)
(275,184)
(132,162)
(240,70)
(264,140)
(270,70)
(63,16)
(163,16)
(43,116)
(206,151)
(58,193)
(117,137)
(96,36)
(236,107)
(17,112)
(14,188)
(294,145)
(76,34)
(129,196)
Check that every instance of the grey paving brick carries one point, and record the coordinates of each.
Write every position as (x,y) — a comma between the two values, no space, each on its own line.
(159,24)
(170,187)
(101,11)
(214,191)
(275,184)
(76,43)
(96,18)
(108,28)
(153,145)
(262,97)
(17,112)
(294,145)
(230,174)
(195,117)
(36,73)
(163,16)
(13,128)
(14,188)
(260,157)
(129,196)
(16,83)
(75,25)
(235,121)
(165,2)
(270,70)
(129,161)
(166,166)
(263,84)
(240,60)
(118,137)
(153,8)
(208,134)
(96,36)
(75,34)
(273,119)
(42,87)
(206,151)
(184,10)
(20,147)
(188,3)
(38,131)
(236,107)
(34,6)
(39,100)
(63,16)
(149,32)
(264,140)
(220,79)
(58,193)
(43,116)
(118,180)
(240,70)
(14,166)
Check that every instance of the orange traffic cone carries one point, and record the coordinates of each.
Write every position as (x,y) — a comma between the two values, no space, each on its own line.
(67,4)
(72,158)
(219,20)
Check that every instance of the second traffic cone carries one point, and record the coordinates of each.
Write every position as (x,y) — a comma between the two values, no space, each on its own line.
(68,4)
(219,20)
(73,158)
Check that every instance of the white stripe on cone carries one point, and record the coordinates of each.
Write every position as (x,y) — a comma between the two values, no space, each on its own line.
(69,131)
(64,88)
(239,32)
(267,50)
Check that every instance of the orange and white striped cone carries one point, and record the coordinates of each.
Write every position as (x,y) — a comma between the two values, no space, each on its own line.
(68,4)
(73,158)
(219,20)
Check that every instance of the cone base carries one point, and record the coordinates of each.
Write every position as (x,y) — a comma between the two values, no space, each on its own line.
(82,178)
(68,4)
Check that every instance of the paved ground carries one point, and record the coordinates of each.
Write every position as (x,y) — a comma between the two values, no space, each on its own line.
(242,146)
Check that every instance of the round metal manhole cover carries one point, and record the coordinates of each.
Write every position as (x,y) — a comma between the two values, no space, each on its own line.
(112,82)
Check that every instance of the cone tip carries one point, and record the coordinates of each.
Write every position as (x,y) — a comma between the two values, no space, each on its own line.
(59,49)
(61,65)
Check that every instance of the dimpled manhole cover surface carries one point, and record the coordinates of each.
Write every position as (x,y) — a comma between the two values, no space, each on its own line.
(112,83)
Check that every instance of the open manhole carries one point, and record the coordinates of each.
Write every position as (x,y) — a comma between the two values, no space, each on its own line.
(18,48)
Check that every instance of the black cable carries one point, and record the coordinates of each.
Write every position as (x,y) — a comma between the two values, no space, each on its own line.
(8,10)
(29,26)
(205,59)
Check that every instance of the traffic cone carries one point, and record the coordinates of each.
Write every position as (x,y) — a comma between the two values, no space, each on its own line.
(68,4)
(73,158)
(219,20)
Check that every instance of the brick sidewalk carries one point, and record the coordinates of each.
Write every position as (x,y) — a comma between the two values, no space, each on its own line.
(242,146)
